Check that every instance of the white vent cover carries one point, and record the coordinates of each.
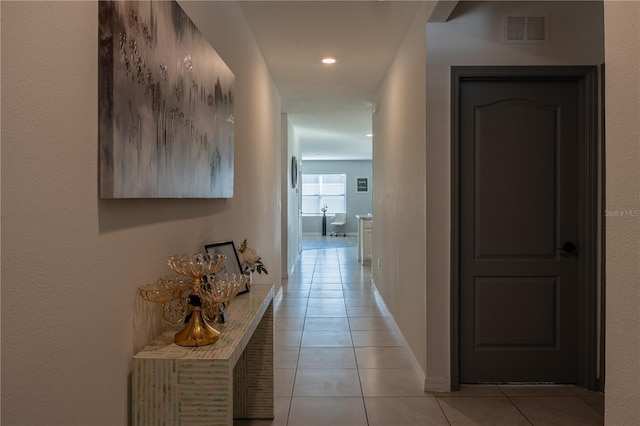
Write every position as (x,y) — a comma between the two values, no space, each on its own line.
(525,29)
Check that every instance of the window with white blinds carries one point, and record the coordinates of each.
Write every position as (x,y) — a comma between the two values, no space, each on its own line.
(320,190)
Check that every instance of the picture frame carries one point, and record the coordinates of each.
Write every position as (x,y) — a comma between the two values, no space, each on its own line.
(362,184)
(232,265)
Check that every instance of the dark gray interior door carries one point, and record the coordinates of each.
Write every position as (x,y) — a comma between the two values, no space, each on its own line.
(519,234)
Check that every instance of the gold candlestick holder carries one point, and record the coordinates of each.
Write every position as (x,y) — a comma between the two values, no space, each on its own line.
(206,302)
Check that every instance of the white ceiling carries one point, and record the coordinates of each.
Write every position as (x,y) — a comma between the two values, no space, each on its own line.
(330,107)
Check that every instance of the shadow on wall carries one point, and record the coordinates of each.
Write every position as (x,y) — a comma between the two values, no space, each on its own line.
(116,214)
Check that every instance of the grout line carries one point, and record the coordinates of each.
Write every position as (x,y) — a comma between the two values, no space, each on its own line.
(518,408)
(442,409)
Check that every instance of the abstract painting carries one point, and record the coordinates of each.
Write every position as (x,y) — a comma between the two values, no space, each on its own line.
(166,103)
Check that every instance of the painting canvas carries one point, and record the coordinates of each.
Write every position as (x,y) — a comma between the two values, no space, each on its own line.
(166,102)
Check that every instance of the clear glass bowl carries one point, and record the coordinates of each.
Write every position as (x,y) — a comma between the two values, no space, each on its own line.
(222,287)
(196,265)
(165,289)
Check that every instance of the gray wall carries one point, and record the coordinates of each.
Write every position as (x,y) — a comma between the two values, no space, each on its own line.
(357,202)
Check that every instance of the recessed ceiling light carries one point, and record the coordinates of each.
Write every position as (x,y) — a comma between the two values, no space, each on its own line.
(369,135)
(328,60)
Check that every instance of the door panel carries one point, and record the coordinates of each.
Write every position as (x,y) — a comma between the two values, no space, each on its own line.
(524,134)
(499,325)
(518,203)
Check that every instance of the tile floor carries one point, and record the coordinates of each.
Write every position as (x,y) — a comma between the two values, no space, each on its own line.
(339,362)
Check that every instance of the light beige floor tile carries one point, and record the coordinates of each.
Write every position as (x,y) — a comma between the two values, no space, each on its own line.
(545,390)
(327,411)
(350,268)
(370,323)
(326,338)
(390,382)
(357,292)
(287,337)
(358,281)
(288,323)
(280,414)
(295,292)
(374,338)
(382,357)
(594,399)
(485,411)
(327,287)
(558,411)
(303,269)
(317,301)
(351,265)
(321,323)
(291,311)
(327,382)
(285,356)
(302,279)
(327,279)
(472,390)
(291,303)
(326,294)
(361,301)
(327,358)
(321,273)
(327,311)
(283,381)
(404,411)
(365,311)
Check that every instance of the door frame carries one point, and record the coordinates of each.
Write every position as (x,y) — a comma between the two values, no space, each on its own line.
(587,300)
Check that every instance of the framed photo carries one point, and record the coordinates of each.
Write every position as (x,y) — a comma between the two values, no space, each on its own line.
(362,184)
(232,265)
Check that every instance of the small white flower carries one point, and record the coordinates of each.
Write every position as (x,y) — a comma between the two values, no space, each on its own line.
(250,259)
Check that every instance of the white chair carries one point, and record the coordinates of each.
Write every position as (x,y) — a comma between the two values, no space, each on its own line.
(338,221)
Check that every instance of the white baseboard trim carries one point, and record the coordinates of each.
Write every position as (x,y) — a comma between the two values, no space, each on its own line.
(437,384)
(412,359)
(286,274)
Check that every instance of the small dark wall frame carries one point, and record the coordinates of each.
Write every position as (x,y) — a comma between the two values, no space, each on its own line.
(294,172)
(362,184)
(232,265)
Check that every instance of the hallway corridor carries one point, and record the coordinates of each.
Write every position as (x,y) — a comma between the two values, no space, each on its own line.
(339,362)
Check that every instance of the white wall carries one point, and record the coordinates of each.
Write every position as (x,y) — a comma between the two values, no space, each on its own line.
(473,37)
(71,263)
(399,197)
(622,47)
(358,203)
(290,218)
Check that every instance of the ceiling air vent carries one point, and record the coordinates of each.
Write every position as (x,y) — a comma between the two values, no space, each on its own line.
(526,29)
